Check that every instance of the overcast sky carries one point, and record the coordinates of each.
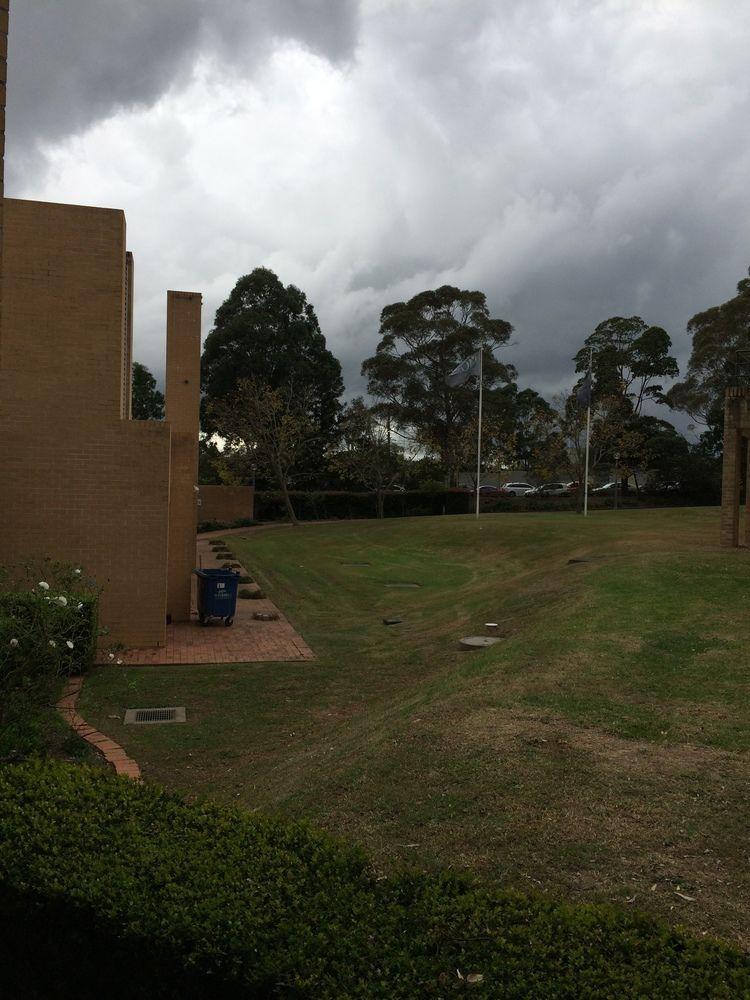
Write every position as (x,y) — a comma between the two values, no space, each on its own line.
(574,160)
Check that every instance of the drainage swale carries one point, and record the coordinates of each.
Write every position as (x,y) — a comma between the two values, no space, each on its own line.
(149,716)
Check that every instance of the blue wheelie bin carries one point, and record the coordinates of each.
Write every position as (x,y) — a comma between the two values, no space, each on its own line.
(217,594)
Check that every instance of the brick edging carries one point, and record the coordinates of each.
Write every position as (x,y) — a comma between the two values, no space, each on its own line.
(111,751)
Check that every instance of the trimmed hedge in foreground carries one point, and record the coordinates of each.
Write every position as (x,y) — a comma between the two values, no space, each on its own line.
(108,888)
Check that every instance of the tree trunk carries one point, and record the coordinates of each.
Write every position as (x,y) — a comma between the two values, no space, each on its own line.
(381,503)
(285,492)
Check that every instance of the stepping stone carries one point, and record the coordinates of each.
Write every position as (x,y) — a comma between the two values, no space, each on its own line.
(392,621)
(404,586)
(474,642)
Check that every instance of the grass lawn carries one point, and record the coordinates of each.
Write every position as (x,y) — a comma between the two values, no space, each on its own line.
(598,752)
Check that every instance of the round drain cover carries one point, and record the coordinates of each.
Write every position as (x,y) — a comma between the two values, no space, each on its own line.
(477,641)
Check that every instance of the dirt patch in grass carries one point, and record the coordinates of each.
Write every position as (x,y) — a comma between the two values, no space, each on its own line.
(501,730)
(658,826)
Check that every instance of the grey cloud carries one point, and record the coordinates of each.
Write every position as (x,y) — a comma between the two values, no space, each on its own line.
(72,62)
(573,161)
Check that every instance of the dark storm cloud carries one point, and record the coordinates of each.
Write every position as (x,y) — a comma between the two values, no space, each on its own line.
(574,161)
(72,62)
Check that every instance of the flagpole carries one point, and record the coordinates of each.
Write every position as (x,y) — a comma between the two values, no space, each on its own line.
(479,432)
(588,435)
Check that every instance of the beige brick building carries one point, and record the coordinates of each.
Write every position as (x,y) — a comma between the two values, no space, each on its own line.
(82,482)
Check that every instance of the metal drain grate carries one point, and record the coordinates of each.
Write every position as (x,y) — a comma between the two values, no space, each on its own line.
(143,716)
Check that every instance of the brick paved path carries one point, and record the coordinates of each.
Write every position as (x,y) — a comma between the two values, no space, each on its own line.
(245,641)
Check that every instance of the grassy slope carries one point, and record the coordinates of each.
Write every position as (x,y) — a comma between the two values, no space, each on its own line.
(599,751)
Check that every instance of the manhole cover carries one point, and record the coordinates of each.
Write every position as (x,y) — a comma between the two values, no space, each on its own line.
(404,586)
(477,642)
(144,716)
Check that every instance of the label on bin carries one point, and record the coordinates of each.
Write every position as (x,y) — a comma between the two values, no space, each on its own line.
(219,585)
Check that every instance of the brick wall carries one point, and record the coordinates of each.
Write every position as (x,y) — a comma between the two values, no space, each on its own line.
(226,503)
(182,399)
(79,483)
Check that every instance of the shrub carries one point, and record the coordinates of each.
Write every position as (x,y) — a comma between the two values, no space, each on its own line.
(122,890)
(245,593)
(48,630)
(258,595)
(246,579)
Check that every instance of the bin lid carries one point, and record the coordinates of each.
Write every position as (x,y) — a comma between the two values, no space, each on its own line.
(216,572)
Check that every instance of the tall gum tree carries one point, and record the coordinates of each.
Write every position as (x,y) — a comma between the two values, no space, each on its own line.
(629,358)
(718,334)
(421,342)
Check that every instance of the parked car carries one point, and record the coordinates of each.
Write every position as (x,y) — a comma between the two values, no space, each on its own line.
(551,490)
(609,488)
(515,489)
(488,490)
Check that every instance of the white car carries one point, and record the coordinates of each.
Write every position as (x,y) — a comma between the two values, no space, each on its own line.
(552,490)
(515,489)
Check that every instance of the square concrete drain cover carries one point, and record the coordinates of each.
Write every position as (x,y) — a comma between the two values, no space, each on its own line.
(144,716)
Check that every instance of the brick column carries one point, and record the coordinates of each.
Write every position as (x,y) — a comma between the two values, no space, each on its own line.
(731,474)
(182,414)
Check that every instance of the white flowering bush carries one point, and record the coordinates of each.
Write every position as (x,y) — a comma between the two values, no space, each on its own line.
(48,630)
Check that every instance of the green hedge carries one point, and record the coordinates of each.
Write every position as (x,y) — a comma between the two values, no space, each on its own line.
(108,888)
(342,504)
(244,522)
(337,504)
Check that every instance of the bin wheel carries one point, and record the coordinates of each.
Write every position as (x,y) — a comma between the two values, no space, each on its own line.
(202,619)
(228,621)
